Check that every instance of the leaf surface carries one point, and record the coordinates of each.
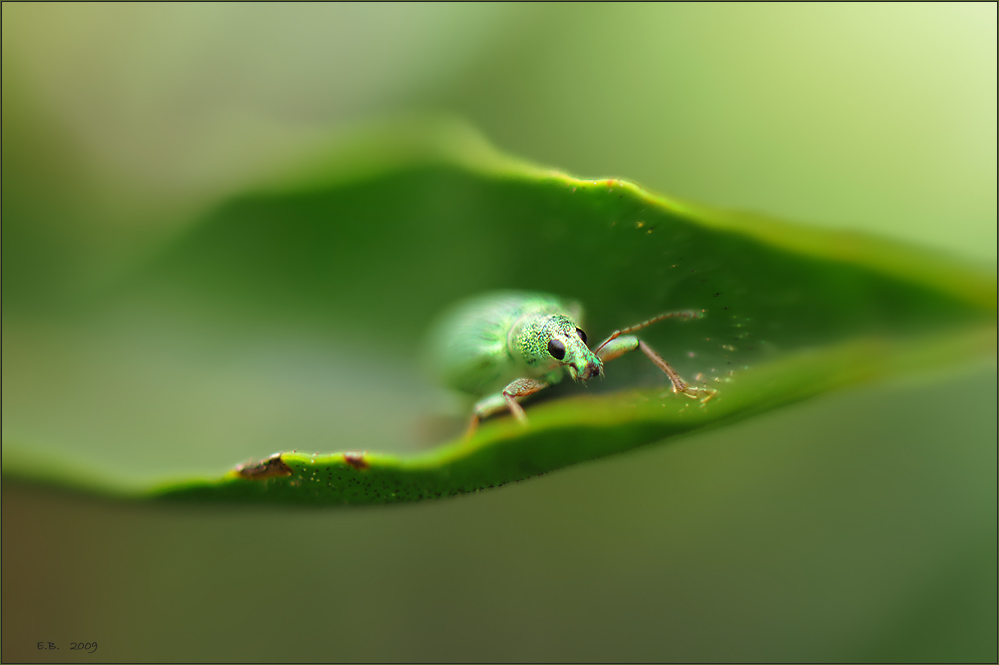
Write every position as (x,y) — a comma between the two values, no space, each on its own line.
(293,317)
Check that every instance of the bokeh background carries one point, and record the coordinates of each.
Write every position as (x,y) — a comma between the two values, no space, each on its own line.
(861,526)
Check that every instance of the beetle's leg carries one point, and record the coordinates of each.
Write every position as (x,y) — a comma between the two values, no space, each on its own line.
(618,346)
(507,399)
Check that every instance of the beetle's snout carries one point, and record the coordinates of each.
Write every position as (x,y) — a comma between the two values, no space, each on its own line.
(587,372)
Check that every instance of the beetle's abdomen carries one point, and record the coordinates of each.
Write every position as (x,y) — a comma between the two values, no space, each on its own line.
(469,347)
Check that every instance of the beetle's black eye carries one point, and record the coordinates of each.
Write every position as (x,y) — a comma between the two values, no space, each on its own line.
(557,349)
(581,334)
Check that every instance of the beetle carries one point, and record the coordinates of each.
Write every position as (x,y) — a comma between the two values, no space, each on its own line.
(501,347)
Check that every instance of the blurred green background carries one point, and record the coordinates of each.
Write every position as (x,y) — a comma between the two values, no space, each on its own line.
(857,527)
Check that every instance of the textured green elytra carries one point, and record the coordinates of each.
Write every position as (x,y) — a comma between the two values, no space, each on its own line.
(501,347)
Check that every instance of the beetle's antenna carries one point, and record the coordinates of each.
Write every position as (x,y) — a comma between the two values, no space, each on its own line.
(685,314)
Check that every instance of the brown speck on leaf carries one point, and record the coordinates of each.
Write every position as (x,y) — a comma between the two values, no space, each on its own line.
(356,460)
(272,467)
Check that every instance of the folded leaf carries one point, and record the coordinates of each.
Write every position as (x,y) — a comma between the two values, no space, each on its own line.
(294,317)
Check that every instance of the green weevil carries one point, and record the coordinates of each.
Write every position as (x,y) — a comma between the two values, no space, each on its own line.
(502,347)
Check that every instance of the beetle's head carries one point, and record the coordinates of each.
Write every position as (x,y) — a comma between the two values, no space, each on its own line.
(567,345)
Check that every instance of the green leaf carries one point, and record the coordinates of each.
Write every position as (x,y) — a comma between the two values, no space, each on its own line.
(293,317)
